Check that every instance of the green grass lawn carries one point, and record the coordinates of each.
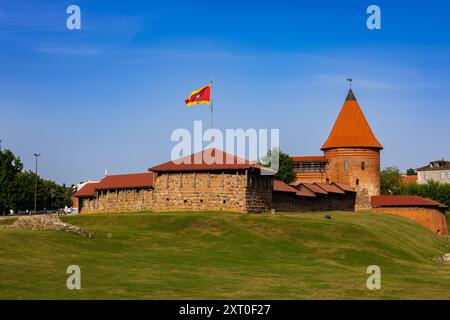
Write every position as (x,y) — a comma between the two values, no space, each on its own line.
(226,256)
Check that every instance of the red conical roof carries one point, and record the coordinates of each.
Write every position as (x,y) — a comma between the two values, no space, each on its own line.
(351,128)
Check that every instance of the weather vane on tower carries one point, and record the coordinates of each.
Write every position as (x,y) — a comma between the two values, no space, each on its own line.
(349,79)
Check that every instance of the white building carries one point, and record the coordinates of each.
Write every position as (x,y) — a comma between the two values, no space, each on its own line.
(438,171)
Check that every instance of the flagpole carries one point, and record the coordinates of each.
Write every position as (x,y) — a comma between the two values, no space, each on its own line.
(212,116)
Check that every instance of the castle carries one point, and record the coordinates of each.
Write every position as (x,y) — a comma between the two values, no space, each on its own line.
(346,177)
(214,180)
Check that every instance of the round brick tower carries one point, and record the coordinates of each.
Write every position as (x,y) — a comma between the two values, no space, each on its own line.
(353,153)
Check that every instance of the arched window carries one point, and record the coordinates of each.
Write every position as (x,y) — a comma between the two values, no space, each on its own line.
(363,165)
(345,165)
(357,182)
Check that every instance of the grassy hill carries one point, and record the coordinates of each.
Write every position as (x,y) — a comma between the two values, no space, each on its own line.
(226,256)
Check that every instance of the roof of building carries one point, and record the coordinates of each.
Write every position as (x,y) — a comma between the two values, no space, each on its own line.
(330,188)
(296,182)
(344,187)
(208,160)
(305,192)
(126,181)
(309,159)
(351,128)
(443,165)
(281,186)
(313,187)
(88,190)
(409,179)
(404,201)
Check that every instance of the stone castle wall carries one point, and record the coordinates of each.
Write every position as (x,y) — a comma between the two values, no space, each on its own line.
(200,191)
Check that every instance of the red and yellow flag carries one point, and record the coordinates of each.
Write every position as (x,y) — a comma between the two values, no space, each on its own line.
(202,95)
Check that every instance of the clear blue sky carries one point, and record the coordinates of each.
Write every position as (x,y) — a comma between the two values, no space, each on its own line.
(109,95)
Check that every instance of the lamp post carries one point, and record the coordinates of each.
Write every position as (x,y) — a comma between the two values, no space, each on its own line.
(35,182)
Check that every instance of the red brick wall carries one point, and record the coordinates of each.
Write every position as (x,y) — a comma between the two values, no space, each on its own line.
(432,219)
(74,202)
(312,177)
(365,181)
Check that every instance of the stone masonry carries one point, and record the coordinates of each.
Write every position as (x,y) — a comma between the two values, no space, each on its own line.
(239,191)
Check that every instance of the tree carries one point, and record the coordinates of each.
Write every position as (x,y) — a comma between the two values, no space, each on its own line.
(50,195)
(436,191)
(24,191)
(391,180)
(10,166)
(411,172)
(285,165)
(17,187)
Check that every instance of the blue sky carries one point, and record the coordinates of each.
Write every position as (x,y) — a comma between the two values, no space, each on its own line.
(108,96)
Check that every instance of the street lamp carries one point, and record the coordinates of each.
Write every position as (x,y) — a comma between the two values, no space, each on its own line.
(35,183)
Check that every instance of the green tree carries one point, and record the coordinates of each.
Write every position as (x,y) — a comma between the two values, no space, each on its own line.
(285,165)
(434,190)
(411,172)
(17,187)
(24,191)
(50,195)
(54,196)
(391,180)
(10,166)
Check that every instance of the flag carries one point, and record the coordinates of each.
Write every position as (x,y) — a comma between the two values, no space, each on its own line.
(202,95)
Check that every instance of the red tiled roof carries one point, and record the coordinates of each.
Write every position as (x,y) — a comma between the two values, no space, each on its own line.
(281,186)
(351,128)
(404,201)
(88,190)
(309,159)
(330,188)
(305,192)
(296,182)
(314,188)
(124,181)
(409,179)
(344,187)
(207,160)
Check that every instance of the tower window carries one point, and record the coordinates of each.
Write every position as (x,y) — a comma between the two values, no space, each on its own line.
(363,165)
(357,182)
(345,165)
